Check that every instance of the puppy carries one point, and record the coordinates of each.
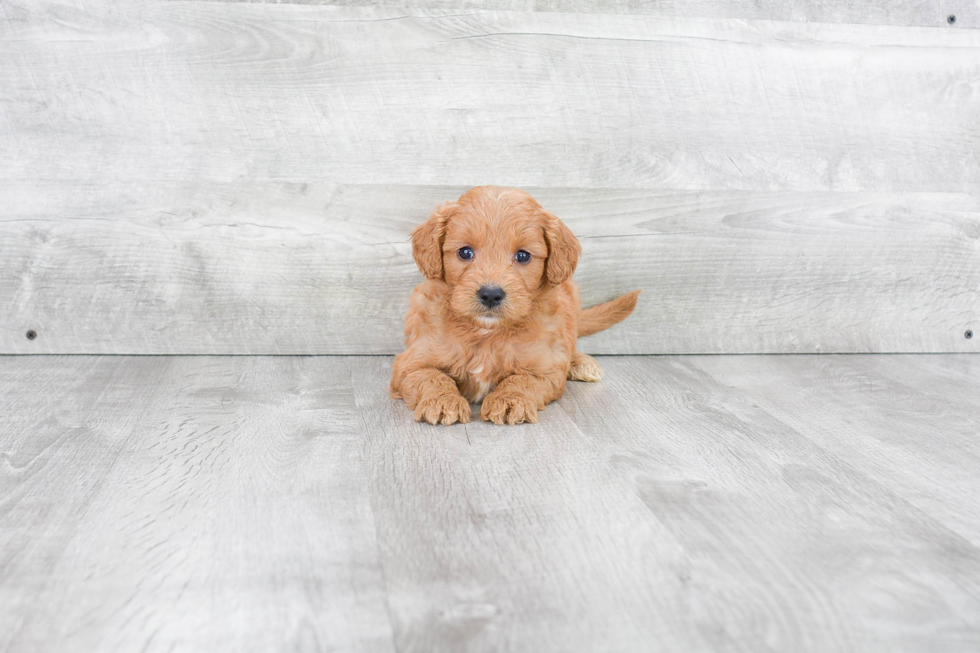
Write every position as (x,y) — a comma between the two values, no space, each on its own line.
(497,318)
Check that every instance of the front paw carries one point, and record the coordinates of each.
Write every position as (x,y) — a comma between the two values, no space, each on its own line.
(508,408)
(443,409)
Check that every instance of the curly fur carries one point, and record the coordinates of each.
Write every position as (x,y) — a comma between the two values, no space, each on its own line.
(515,357)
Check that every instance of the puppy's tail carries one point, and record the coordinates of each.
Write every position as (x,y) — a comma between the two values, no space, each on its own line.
(595,319)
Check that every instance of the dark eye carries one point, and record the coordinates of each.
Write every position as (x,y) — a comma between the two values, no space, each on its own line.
(465,253)
(522,257)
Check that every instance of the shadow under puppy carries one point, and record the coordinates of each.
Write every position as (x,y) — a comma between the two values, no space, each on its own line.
(498,315)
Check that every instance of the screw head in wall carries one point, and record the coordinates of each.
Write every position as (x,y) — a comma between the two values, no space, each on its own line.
(951,19)
(31,334)
(968,334)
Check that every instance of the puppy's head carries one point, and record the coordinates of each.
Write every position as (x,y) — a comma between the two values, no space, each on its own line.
(497,249)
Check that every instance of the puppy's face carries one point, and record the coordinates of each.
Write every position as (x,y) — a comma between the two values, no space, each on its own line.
(494,264)
(496,249)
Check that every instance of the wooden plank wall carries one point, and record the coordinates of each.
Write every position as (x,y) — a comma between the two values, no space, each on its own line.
(200,177)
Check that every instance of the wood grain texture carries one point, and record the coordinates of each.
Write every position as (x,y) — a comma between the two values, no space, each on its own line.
(196,177)
(270,268)
(699,504)
(497,538)
(218,91)
(873,412)
(185,504)
(877,12)
(793,542)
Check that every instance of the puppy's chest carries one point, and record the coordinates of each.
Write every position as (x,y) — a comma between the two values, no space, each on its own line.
(485,366)
(477,382)
(481,370)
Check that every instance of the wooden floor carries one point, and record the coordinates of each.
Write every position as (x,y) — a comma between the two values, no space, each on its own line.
(755,503)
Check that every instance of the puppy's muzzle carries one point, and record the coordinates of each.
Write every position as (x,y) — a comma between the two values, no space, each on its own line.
(491,296)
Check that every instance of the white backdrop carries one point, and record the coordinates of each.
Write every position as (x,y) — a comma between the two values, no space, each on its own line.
(191,177)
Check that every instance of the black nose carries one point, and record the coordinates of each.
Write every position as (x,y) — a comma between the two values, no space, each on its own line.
(491,296)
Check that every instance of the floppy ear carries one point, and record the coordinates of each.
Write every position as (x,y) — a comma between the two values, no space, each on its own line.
(427,241)
(563,250)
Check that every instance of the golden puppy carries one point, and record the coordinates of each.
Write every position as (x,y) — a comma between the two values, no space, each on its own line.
(498,316)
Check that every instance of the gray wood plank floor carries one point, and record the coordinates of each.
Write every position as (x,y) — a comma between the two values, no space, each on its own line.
(721,503)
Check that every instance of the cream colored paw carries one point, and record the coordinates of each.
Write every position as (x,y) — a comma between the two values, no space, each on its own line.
(584,368)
